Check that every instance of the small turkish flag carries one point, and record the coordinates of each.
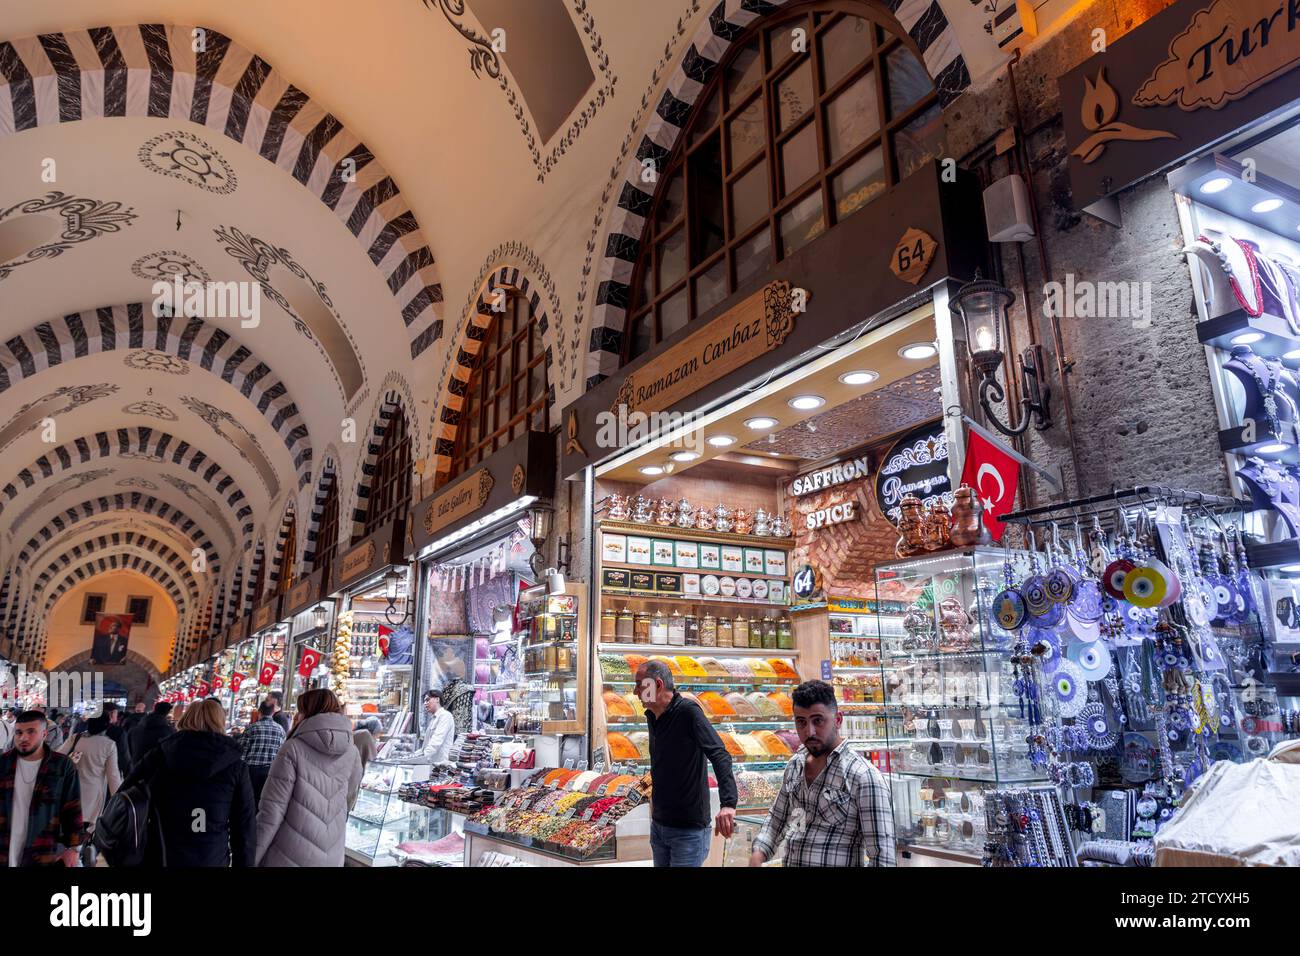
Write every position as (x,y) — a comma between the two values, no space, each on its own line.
(993,474)
(235,680)
(268,674)
(383,639)
(310,658)
(218,682)
(203,688)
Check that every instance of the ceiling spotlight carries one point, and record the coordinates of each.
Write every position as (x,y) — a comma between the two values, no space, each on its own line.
(684,456)
(1271,449)
(918,351)
(775,454)
(652,470)
(1293,354)
(721,441)
(762,423)
(859,378)
(1266,205)
(1246,338)
(806,403)
(1216,185)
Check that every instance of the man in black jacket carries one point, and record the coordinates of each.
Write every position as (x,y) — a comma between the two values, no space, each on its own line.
(151,731)
(117,733)
(681,739)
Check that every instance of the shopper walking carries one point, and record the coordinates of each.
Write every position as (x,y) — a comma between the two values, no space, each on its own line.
(844,801)
(259,744)
(681,740)
(312,786)
(137,715)
(94,755)
(117,733)
(277,701)
(40,800)
(200,793)
(150,732)
(364,739)
(53,732)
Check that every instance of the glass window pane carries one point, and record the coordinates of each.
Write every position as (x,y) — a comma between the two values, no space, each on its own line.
(674,313)
(671,197)
(672,259)
(535,330)
(752,256)
(843,47)
(503,411)
(909,82)
(537,386)
(802,223)
(642,336)
(706,201)
(521,394)
(504,366)
(799,159)
(538,419)
(749,198)
(489,420)
(781,40)
(646,287)
(745,134)
(919,141)
(744,73)
(858,185)
(794,96)
(852,117)
(706,115)
(711,287)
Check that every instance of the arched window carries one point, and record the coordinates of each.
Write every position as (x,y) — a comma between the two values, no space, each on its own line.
(506,393)
(289,557)
(811,115)
(259,577)
(390,486)
(327,533)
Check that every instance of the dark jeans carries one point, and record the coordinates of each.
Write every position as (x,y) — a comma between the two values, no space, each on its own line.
(257,773)
(679,846)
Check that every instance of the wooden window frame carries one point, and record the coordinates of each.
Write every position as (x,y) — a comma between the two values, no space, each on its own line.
(289,558)
(390,486)
(148,608)
(88,616)
(327,531)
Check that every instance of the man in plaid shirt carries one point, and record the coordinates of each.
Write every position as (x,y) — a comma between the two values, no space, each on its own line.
(259,745)
(833,805)
(40,800)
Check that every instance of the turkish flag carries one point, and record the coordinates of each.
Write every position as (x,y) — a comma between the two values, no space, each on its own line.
(310,658)
(383,639)
(268,674)
(235,680)
(218,682)
(203,688)
(993,474)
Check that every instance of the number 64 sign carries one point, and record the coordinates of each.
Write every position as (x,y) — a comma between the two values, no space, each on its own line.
(913,255)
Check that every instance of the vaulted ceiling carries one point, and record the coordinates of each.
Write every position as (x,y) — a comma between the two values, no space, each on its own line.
(365,167)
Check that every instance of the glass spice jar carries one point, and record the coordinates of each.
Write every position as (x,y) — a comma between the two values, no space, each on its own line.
(785,635)
(659,628)
(769,634)
(708,631)
(692,631)
(624,628)
(641,628)
(756,633)
(608,625)
(740,631)
(677,629)
(726,633)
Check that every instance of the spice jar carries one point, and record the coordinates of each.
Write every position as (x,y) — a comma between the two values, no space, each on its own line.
(708,631)
(755,633)
(726,634)
(692,631)
(624,628)
(677,629)
(740,631)
(769,634)
(641,628)
(659,628)
(784,635)
(608,625)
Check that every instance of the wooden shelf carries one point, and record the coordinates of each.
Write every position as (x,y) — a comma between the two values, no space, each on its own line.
(694,649)
(693,534)
(665,569)
(625,597)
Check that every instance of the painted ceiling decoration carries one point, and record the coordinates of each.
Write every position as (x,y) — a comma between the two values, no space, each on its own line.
(208,506)
(922,20)
(135,524)
(182,155)
(49,406)
(118,562)
(53,224)
(167,266)
(162,343)
(138,443)
(61,487)
(238,437)
(154,70)
(130,539)
(149,409)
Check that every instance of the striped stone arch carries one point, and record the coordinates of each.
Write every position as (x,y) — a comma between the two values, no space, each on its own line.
(153,70)
(140,440)
(281,540)
(923,20)
(193,340)
(474,330)
(387,407)
(81,661)
(235,603)
(328,476)
(254,566)
(134,502)
(5,584)
(141,563)
(165,553)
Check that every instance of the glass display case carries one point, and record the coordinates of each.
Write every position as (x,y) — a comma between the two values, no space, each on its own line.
(737,848)
(952,719)
(553,657)
(381,823)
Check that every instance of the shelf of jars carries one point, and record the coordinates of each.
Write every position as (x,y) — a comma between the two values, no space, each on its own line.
(685,628)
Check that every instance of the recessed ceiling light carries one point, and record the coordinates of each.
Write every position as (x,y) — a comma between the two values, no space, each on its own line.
(1246,338)
(806,403)
(1293,354)
(1266,205)
(775,454)
(721,441)
(684,455)
(1290,568)
(1272,448)
(762,423)
(652,470)
(859,378)
(1216,185)
(918,351)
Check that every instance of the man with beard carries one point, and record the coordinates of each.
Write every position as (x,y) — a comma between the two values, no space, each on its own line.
(40,800)
(833,806)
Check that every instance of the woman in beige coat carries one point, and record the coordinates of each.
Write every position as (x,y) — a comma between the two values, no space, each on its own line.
(313,783)
(95,755)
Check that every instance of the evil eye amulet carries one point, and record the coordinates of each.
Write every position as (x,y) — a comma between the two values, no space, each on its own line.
(1086,603)
(1009,608)
(1035,593)
(1145,587)
(1060,585)
(1112,579)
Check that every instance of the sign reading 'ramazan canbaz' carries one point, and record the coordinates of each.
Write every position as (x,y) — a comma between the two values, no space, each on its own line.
(916,465)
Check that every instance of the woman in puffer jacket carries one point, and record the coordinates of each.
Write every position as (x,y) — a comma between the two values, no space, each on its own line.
(312,785)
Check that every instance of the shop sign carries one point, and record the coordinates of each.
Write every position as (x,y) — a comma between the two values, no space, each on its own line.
(301,593)
(1192,74)
(357,560)
(805,582)
(917,465)
(913,255)
(458,501)
(753,327)
(835,514)
(266,615)
(829,477)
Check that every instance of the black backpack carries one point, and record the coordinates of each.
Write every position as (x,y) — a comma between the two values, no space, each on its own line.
(125,827)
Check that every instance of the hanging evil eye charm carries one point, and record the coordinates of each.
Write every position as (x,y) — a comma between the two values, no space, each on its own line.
(1173,588)
(1035,594)
(1092,659)
(1060,583)
(1225,598)
(1198,602)
(1009,609)
(1047,647)
(1145,587)
(1112,579)
(1086,602)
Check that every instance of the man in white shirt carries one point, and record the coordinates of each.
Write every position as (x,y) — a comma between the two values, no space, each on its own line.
(441,734)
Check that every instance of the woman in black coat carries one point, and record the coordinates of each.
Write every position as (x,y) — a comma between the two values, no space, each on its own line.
(200,795)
